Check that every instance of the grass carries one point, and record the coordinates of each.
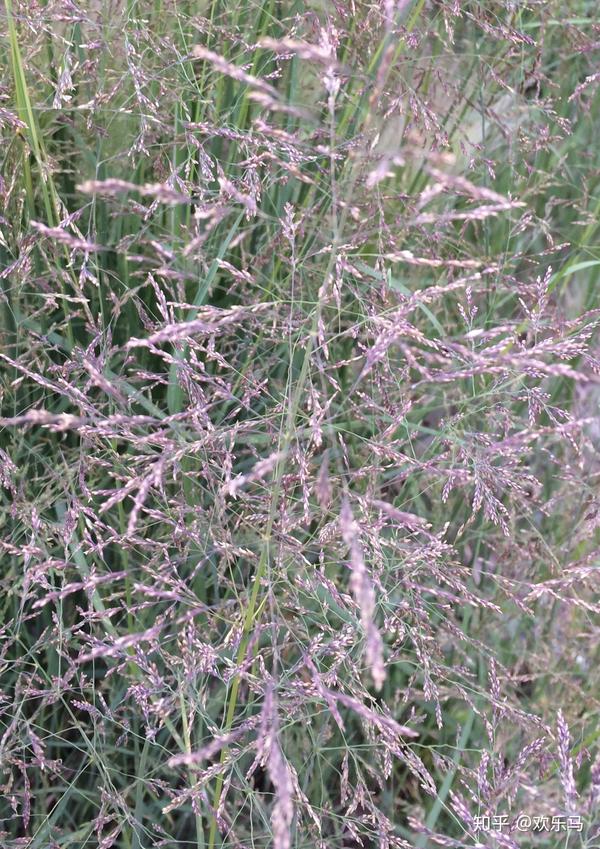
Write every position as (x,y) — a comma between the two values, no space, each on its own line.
(298,428)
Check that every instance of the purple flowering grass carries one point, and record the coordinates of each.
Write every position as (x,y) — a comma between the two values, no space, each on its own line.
(299,387)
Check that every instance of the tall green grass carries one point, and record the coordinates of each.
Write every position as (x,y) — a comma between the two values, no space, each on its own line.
(299,423)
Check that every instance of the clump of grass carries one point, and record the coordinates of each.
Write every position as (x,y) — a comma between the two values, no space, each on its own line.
(299,420)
